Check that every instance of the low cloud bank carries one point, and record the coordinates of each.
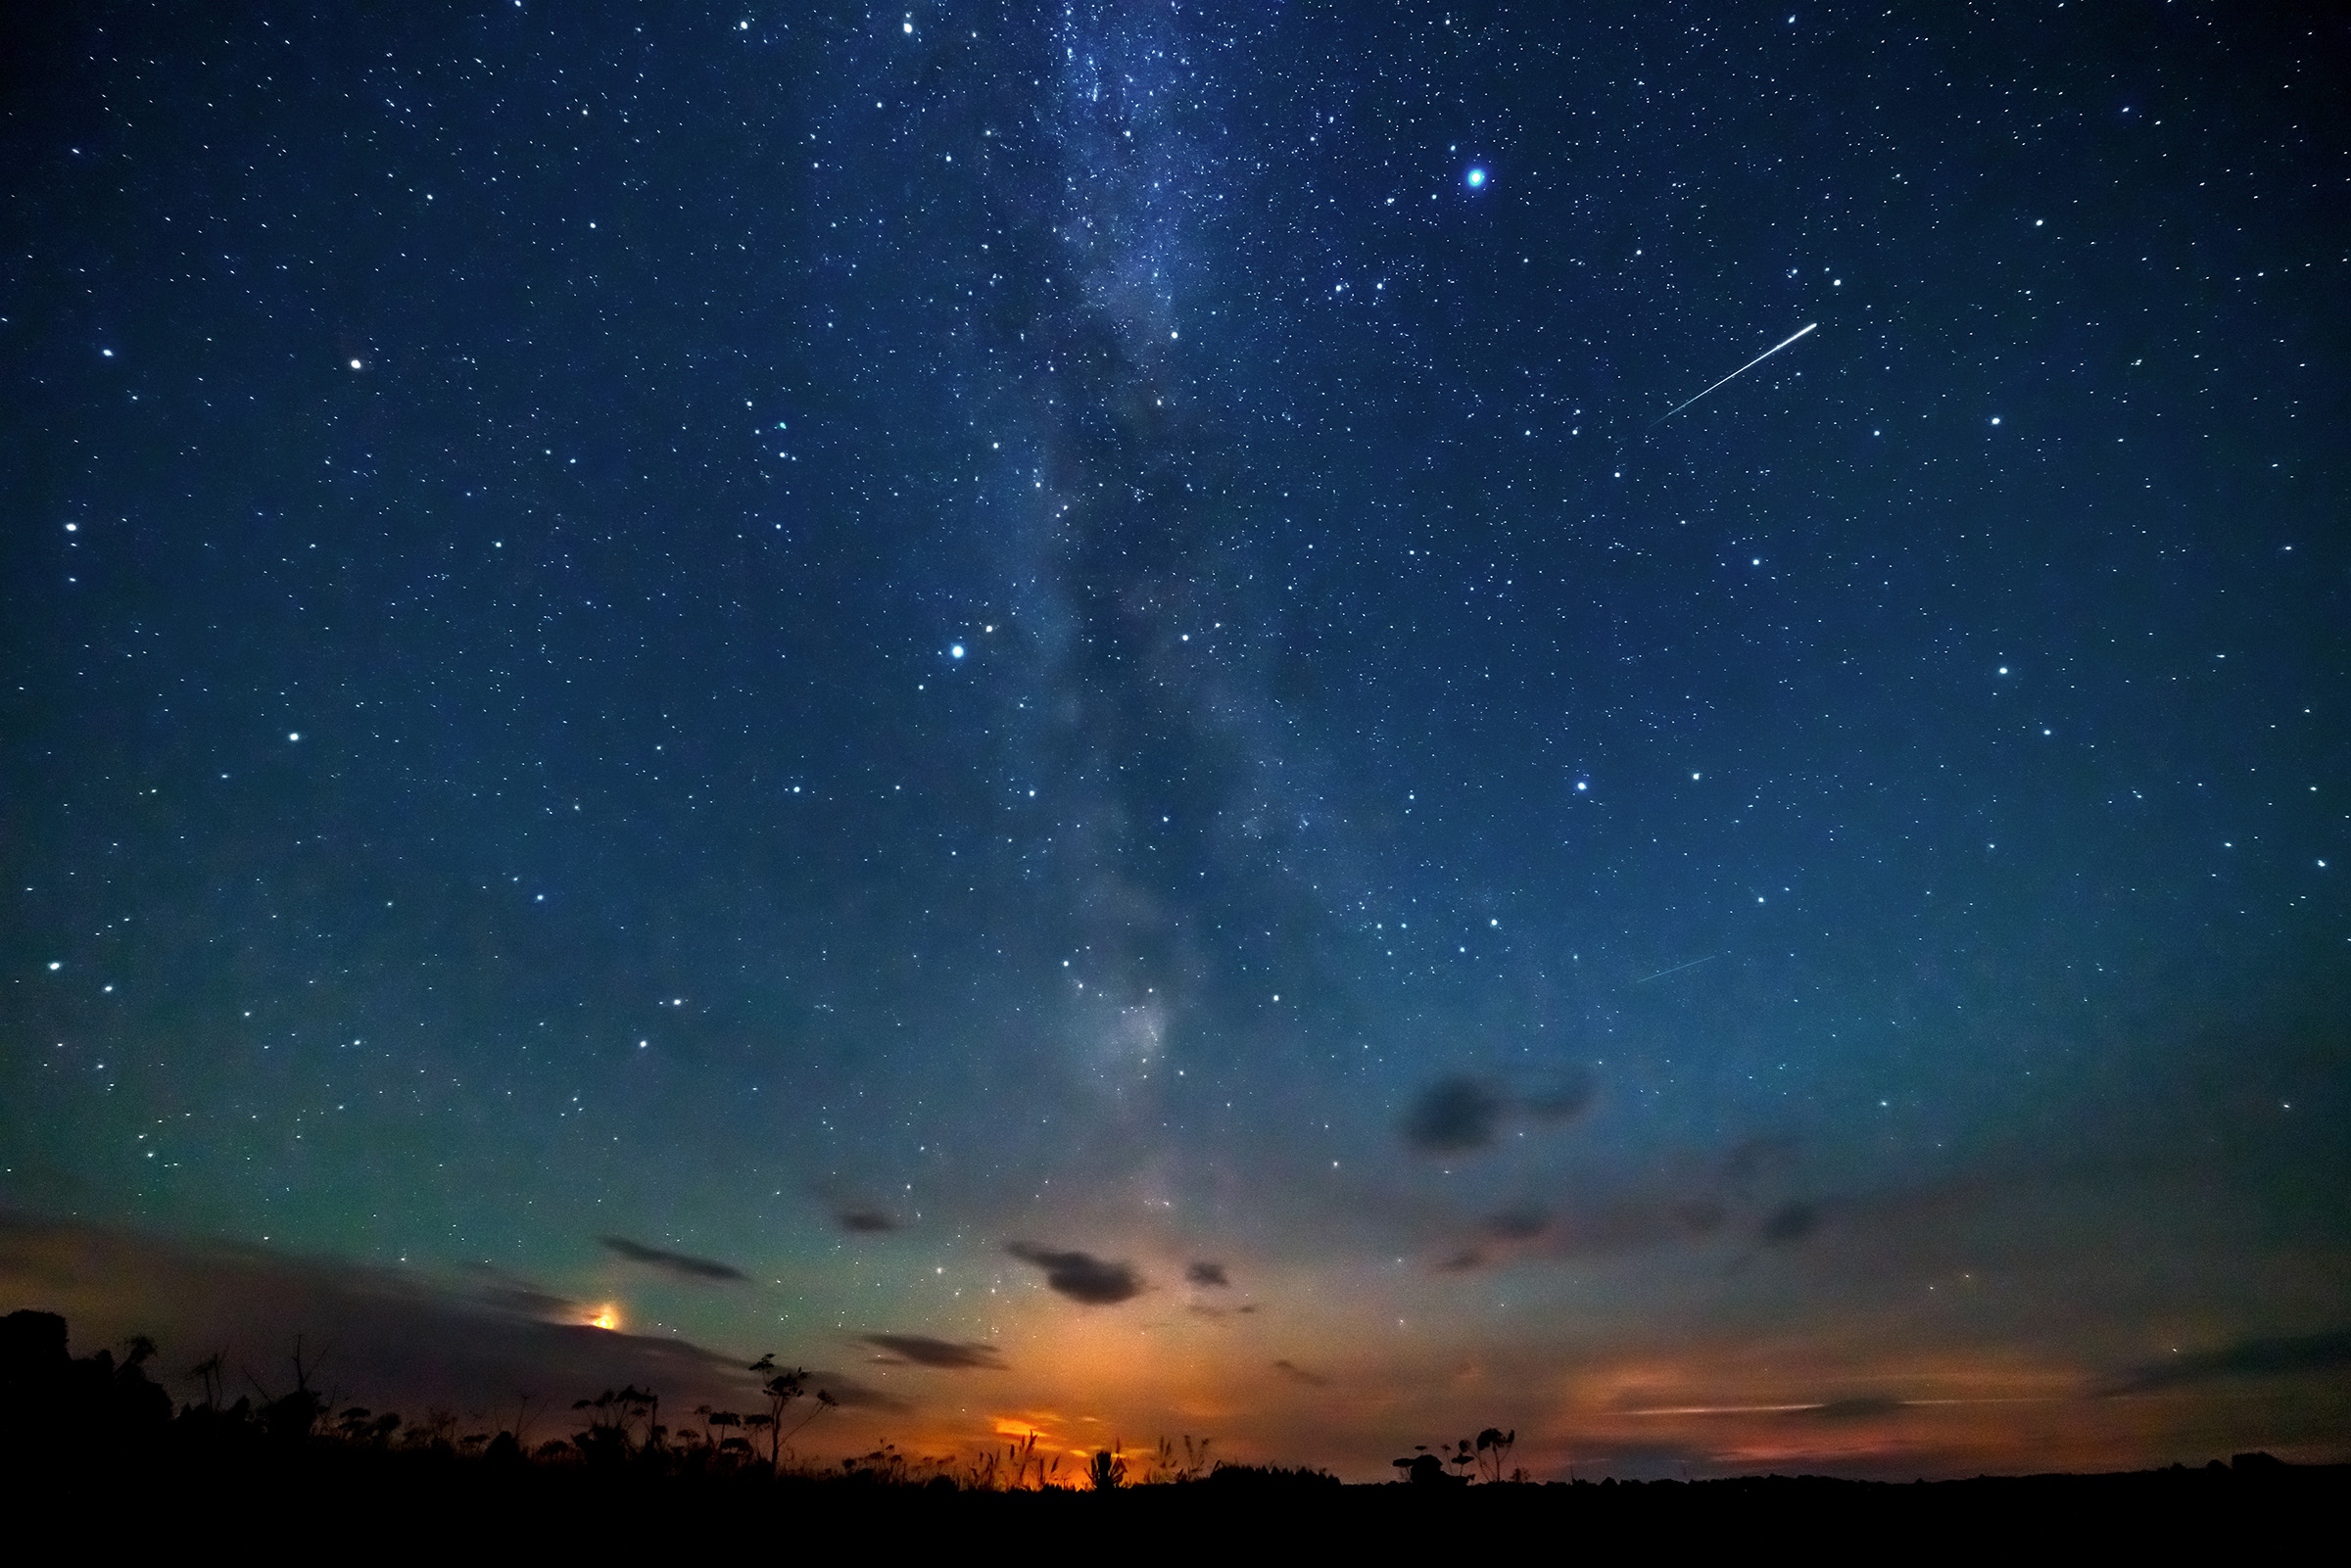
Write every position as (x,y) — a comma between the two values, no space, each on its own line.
(474,1339)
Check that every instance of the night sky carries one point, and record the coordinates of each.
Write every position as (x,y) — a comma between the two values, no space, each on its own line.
(1027,702)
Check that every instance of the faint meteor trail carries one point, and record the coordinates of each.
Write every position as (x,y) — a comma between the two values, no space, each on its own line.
(1696,962)
(1733,376)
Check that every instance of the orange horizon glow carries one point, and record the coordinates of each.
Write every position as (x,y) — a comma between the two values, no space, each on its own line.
(608,1316)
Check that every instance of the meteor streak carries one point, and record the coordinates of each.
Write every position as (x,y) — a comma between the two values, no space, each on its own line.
(1733,376)
(1696,962)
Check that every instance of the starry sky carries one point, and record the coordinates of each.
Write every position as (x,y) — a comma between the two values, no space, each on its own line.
(1035,703)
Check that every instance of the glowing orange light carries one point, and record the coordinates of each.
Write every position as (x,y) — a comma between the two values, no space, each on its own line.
(605,1317)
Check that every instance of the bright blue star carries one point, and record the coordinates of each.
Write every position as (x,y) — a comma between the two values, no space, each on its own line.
(955,653)
(1476,179)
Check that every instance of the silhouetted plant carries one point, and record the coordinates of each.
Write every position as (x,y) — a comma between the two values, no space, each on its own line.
(434,1434)
(782,1389)
(359,1425)
(212,1370)
(293,1416)
(1423,1468)
(716,1422)
(611,1416)
(1494,1449)
(886,1464)
(1107,1472)
(1166,1467)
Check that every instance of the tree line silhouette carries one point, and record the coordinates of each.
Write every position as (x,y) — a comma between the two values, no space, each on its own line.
(53,1405)
(104,1431)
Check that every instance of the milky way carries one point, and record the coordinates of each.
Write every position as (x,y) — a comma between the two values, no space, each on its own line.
(1024,703)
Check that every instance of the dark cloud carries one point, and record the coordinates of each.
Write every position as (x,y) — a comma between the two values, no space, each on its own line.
(864,1221)
(1753,1160)
(1454,1116)
(1206,1273)
(1081,1277)
(471,1339)
(1462,1261)
(1698,1216)
(1862,1407)
(1518,1222)
(522,1298)
(682,1266)
(1299,1374)
(2262,1357)
(1790,1222)
(922,1350)
(852,1394)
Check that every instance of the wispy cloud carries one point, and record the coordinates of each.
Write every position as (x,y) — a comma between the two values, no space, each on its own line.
(921,1349)
(2246,1358)
(682,1266)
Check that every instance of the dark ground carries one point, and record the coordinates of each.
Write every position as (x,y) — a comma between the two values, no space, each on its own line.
(340,1502)
(95,1460)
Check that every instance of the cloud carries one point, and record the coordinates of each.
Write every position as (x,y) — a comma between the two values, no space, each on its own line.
(683,1266)
(1518,1222)
(1754,1159)
(1861,1407)
(1299,1374)
(1454,1116)
(864,1221)
(1206,1273)
(1081,1277)
(2262,1357)
(1698,1216)
(521,1297)
(922,1350)
(469,1339)
(1790,1222)
(852,1394)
